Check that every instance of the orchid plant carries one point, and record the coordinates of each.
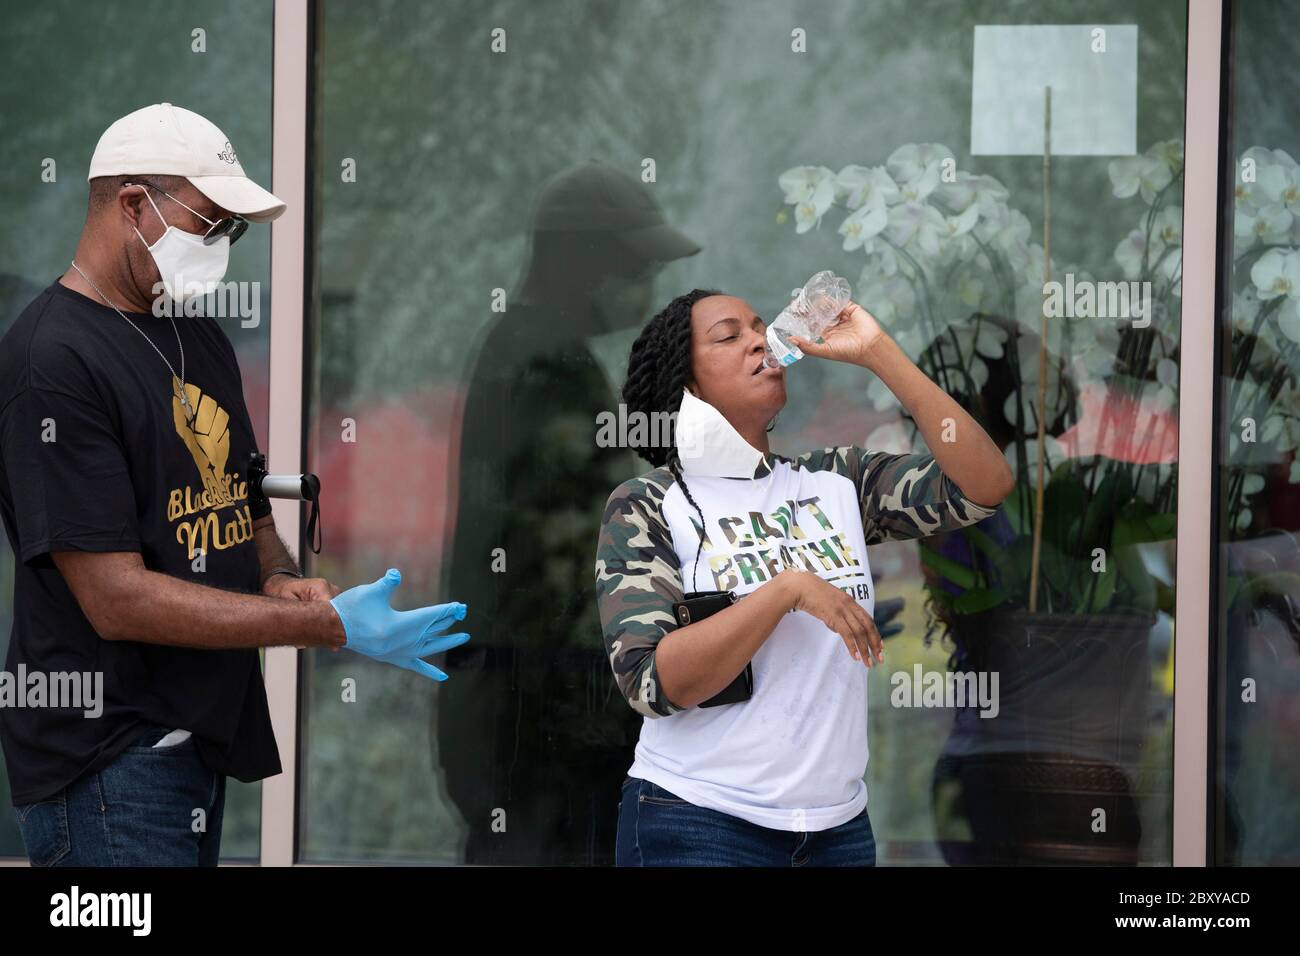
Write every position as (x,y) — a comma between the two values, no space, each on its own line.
(952,271)
(1263,397)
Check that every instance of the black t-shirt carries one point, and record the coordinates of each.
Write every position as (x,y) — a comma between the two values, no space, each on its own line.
(97,453)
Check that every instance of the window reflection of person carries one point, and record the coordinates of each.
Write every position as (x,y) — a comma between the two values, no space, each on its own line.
(528,724)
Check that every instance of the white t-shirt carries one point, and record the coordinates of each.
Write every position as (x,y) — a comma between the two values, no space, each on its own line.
(793,757)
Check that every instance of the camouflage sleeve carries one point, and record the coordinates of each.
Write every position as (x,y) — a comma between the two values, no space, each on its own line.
(902,496)
(638,577)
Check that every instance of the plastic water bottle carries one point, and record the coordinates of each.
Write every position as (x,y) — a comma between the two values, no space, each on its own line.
(812,312)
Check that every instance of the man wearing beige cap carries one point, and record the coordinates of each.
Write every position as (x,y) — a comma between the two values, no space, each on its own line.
(147,574)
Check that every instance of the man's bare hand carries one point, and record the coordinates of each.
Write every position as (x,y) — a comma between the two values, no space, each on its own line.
(299,589)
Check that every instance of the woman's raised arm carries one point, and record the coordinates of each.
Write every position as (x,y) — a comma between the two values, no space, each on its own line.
(961,447)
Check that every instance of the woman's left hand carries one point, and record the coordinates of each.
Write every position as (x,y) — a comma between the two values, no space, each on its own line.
(849,339)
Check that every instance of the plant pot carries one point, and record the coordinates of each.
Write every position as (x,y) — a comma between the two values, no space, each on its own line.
(1049,778)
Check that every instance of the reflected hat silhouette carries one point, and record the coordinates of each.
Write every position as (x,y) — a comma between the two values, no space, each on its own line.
(595,197)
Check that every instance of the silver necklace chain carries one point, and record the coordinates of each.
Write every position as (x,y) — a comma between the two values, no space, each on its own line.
(179,378)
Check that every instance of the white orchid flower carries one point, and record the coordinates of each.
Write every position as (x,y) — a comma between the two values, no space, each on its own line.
(808,213)
(1245,309)
(1277,272)
(909,162)
(1171,151)
(1033,268)
(910,338)
(801,184)
(882,258)
(1272,185)
(1130,250)
(1288,319)
(1145,174)
(1169,225)
(1281,426)
(890,296)
(984,192)
(970,288)
(1253,166)
(1268,224)
(864,223)
(914,225)
(865,186)
(962,223)
(1007,232)
(1094,362)
(920,188)
(1170,268)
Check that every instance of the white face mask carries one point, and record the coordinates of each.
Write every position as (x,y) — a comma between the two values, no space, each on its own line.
(186,265)
(708,445)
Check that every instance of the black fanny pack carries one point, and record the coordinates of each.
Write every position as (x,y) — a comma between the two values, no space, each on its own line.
(696,606)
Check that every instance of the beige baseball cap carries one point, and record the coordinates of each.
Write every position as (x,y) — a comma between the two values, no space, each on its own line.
(172,141)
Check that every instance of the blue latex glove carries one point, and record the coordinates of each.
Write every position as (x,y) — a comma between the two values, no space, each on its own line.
(374,629)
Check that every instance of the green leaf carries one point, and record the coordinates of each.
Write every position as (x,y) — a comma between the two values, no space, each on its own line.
(948,569)
(1064,502)
(1058,572)
(1017,580)
(978,599)
(1101,591)
(941,596)
(1137,524)
(988,547)
(1133,572)
(1018,509)
(1113,491)
(1165,598)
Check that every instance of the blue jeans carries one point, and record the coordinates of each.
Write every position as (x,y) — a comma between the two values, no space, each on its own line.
(140,810)
(658,828)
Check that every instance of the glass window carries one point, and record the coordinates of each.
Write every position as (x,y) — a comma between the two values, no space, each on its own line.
(1257,768)
(474,317)
(113,59)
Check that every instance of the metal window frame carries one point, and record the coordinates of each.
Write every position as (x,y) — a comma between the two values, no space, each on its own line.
(292,58)
(1204,129)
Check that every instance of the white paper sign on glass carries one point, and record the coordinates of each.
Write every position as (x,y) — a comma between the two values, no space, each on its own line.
(1093,76)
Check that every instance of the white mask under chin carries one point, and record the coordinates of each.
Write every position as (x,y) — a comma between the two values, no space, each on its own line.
(708,445)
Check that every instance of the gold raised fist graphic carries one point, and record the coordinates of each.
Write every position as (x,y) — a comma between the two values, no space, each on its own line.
(204,426)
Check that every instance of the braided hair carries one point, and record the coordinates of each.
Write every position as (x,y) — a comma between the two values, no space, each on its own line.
(658,368)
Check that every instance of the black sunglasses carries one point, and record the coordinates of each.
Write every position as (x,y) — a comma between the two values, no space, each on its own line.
(232,226)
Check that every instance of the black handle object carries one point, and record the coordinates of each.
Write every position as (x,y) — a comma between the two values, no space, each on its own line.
(304,487)
(696,606)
